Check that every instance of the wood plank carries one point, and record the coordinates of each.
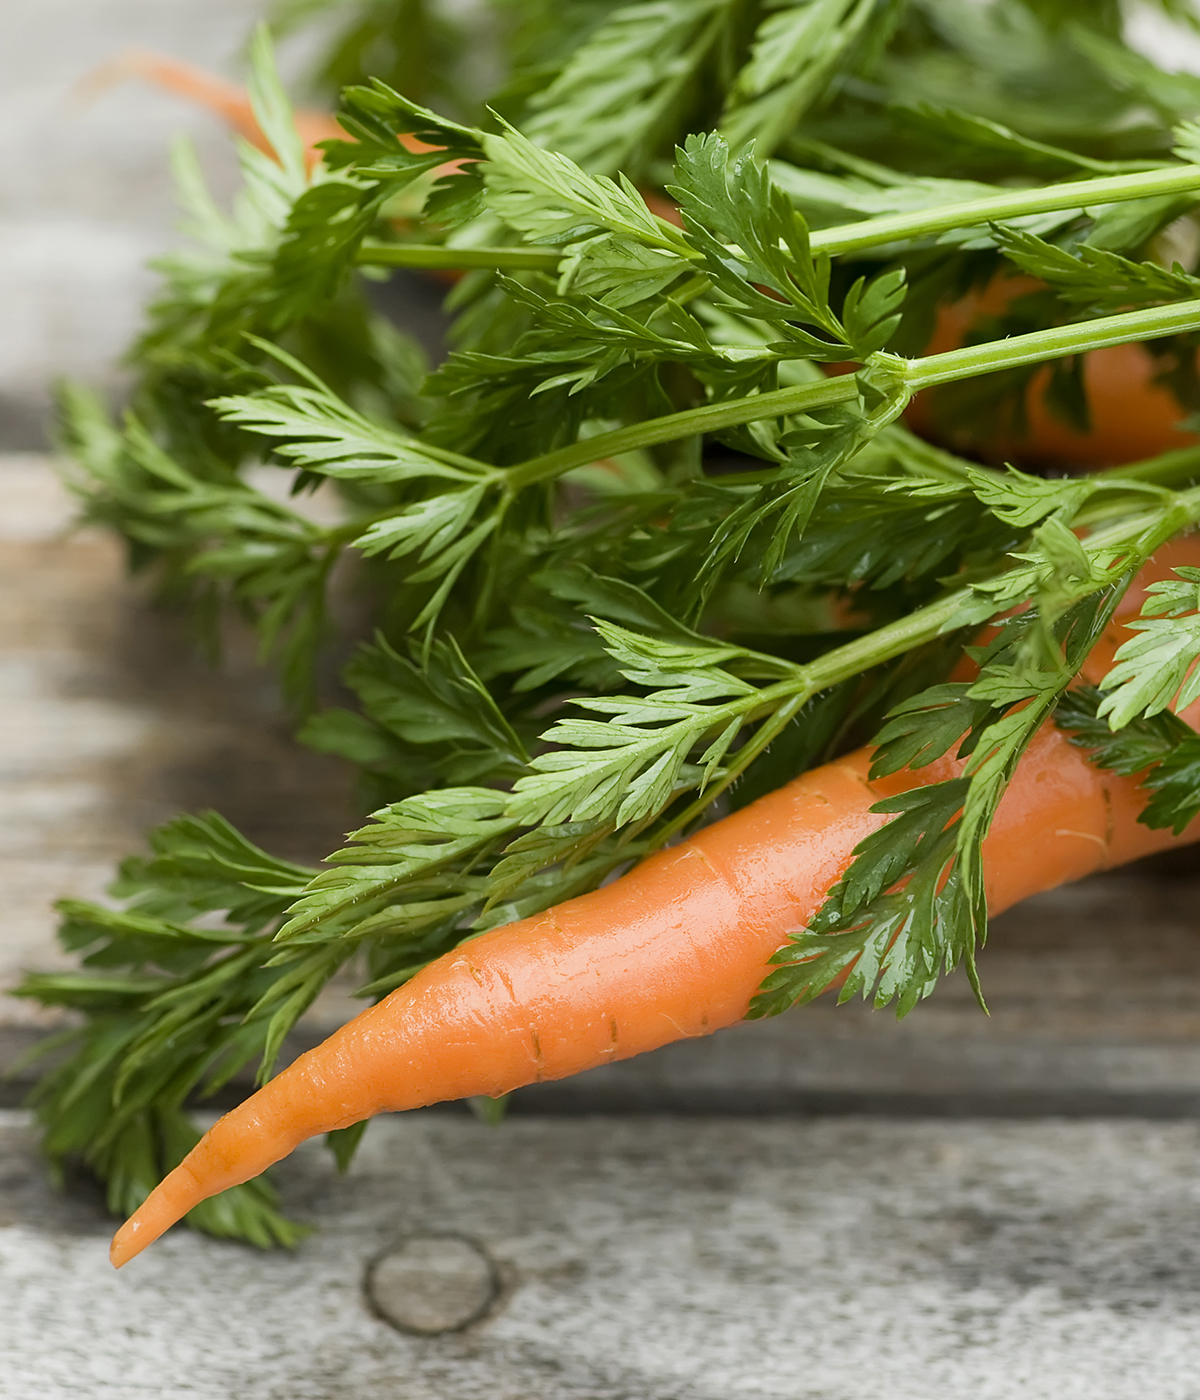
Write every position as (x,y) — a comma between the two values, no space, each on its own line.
(654,1259)
(110,722)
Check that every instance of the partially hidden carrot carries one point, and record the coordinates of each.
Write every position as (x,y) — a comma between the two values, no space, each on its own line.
(232,103)
(1132,417)
(674,949)
(229,101)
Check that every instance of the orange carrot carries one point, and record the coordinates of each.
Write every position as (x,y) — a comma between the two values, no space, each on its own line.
(1132,417)
(228,100)
(674,949)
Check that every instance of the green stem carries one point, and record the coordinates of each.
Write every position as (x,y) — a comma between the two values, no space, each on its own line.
(886,643)
(1163,470)
(1053,343)
(913,374)
(437,255)
(1155,476)
(1184,511)
(764,736)
(884,175)
(840,664)
(972,213)
(897,638)
(691,289)
(845,238)
(923,625)
(709,418)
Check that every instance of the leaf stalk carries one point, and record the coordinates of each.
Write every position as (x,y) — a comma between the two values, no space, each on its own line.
(439,256)
(857,237)
(998,208)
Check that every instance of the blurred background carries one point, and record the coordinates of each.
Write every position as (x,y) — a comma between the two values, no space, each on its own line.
(86,199)
(85,193)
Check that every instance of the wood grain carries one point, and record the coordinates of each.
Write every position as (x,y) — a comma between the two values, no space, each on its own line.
(651,1259)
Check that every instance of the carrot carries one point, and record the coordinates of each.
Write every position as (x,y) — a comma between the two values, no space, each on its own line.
(674,949)
(228,100)
(1132,417)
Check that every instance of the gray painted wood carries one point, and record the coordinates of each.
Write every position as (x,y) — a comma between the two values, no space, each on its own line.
(110,722)
(655,1259)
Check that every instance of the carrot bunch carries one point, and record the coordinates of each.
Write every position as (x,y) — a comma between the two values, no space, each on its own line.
(675,949)
(699,684)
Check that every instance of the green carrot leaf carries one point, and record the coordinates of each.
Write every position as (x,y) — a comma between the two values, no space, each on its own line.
(797,48)
(627,87)
(1161,747)
(1156,668)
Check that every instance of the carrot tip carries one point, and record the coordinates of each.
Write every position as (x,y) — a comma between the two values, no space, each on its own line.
(125,1243)
(129,63)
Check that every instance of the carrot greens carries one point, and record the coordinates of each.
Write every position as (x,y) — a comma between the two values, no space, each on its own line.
(652,538)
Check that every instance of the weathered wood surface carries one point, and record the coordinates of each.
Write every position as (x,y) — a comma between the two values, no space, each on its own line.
(653,1259)
(110,722)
